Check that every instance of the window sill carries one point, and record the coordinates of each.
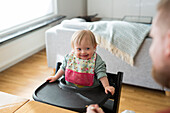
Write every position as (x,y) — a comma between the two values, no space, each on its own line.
(9,36)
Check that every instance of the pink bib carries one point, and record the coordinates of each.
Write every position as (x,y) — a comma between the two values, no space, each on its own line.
(80,72)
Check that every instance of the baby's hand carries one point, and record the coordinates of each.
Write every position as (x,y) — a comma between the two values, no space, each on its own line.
(51,79)
(110,89)
(94,109)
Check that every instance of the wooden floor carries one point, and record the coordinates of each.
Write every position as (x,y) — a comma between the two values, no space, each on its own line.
(23,78)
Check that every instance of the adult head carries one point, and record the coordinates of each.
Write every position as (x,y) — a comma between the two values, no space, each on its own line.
(160,48)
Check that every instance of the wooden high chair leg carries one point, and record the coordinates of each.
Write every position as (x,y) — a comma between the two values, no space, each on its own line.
(167,93)
(54,71)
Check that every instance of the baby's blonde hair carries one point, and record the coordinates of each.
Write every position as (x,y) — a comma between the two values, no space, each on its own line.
(79,35)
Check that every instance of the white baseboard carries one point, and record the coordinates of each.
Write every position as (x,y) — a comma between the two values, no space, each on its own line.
(17,60)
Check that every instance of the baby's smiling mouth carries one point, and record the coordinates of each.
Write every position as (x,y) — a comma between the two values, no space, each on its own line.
(84,55)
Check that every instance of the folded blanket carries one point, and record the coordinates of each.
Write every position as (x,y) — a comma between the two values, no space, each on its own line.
(123,39)
(75,23)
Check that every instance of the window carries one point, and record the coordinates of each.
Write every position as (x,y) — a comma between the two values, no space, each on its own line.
(20,15)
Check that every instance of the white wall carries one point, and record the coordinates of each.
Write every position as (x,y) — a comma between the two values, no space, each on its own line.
(120,8)
(102,7)
(72,8)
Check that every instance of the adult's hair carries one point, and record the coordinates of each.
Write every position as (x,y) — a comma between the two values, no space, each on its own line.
(164,5)
(163,8)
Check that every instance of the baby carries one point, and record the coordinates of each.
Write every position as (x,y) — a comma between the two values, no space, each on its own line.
(83,67)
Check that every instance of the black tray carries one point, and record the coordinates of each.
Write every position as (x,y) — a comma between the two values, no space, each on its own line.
(76,99)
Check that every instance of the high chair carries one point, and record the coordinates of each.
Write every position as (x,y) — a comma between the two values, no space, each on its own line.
(77,99)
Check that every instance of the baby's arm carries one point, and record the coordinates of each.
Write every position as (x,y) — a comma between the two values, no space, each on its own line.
(106,85)
(59,73)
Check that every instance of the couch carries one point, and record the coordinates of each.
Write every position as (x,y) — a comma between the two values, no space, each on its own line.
(58,45)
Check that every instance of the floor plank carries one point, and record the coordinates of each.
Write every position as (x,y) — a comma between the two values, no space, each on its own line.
(23,78)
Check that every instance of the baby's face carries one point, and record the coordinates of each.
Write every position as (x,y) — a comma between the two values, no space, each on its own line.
(85,50)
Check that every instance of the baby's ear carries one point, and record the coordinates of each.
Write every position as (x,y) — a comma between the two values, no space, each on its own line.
(95,46)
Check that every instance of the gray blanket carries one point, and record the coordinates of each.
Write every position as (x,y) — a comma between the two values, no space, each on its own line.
(122,39)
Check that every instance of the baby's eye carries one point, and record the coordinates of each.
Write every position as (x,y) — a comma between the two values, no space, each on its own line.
(79,49)
(88,48)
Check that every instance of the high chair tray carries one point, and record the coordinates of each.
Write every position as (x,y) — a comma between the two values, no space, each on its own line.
(76,99)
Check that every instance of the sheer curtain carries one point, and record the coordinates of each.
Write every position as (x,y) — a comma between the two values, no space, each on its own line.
(17,15)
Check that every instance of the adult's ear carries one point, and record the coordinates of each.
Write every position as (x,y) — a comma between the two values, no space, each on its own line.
(167,39)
